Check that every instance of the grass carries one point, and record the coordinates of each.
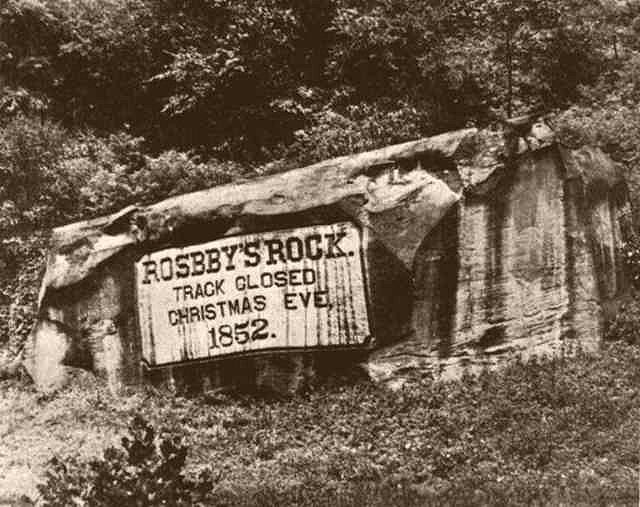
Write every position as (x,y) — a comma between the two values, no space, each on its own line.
(559,431)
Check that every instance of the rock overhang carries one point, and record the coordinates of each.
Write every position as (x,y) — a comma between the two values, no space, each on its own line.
(348,182)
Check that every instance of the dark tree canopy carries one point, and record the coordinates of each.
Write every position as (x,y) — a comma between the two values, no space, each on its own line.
(241,77)
(98,95)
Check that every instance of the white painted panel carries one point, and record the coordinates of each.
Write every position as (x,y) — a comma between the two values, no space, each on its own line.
(290,289)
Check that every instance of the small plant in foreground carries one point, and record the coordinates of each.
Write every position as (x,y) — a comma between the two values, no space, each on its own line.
(145,471)
(626,324)
(631,257)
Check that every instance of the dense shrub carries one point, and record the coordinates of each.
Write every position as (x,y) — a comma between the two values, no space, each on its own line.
(563,63)
(361,127)
(30,152)
(630,252)
(21,269)
(115,183)
(146,471)
(626,325)
(606,114)
(609,119)
(50,175)
(15,102)
(231,77)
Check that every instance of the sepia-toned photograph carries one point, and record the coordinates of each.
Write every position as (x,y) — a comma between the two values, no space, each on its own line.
(332,253)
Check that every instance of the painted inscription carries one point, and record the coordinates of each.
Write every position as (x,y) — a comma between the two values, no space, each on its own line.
(297,288)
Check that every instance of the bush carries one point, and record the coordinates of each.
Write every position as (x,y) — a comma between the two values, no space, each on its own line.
(175,173)
(21,265)
(116,183)
(30,152)
(50,175)
(359,128)
(606,114)
(15,102)
(612,125)
(630,252)
(145,471)
(626,324)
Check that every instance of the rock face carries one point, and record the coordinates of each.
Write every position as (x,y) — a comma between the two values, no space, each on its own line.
(475,249)
(527,264)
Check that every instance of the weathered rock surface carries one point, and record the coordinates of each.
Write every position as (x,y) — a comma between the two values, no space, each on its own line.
(88,292)
(528,263)
(473,252)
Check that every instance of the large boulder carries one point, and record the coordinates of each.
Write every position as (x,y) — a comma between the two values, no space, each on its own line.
(528,263)
(465,249)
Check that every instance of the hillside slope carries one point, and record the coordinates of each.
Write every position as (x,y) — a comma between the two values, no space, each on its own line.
(552,431)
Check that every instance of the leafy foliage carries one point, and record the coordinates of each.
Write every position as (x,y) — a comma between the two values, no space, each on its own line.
(239,78)
(631,258)
(21,265)
(49,175)
(626,325)
(105,104)
(552,431)
(28,156)
(110,103)
(607,116)
(144,472)
(362,127)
